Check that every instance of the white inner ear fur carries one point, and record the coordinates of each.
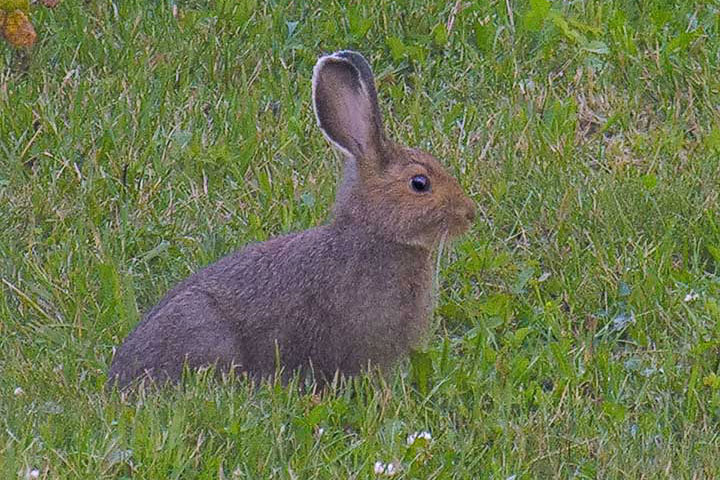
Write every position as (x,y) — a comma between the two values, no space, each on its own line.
(316,71)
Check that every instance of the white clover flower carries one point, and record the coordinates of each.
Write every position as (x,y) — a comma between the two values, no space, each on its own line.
(34,473)
(690,297)
(424,435)
(18,391)
(385,469)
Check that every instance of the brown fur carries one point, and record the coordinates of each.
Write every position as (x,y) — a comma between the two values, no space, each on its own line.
(336,298)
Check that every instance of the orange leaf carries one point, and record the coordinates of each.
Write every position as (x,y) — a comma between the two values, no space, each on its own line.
(12,5)
(50,3)
(18,30)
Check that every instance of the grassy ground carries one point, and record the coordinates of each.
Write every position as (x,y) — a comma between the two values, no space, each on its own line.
(578,321)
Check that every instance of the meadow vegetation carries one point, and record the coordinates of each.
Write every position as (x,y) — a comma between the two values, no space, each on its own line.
(577,327)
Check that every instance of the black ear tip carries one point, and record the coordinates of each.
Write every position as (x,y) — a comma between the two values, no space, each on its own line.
(351,55)
(356,59)
(333,62)
(349,58)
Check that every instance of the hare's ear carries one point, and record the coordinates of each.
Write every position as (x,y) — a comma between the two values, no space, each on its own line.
(346,105)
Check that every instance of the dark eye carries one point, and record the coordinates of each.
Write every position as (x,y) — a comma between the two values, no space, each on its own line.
(420,183)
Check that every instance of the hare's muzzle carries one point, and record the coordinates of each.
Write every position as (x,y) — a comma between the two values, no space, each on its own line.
(470,212)
(462,217)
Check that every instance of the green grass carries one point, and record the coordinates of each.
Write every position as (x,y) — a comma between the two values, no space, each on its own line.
(136,147)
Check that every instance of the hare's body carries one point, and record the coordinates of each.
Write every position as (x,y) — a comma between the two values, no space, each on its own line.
(336,298)
(271,302)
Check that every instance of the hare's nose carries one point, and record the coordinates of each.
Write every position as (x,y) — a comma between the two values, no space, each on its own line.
(470,212)
(470,215)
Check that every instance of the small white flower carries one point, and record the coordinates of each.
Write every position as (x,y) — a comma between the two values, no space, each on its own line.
(690,297)
(34,473)
(425,435)
(18,391)
(385,469)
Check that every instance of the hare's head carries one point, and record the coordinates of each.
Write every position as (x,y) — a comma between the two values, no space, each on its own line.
(400,192)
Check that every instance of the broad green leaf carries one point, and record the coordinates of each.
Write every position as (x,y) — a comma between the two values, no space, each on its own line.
(484,36)
(440,34)
(559,21)
(534,18)
(397,48)
(421,366)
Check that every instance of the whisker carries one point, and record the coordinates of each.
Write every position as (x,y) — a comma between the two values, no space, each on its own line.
(436,276)
(436,283)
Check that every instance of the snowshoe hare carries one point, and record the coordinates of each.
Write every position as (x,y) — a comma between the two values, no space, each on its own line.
(337,298)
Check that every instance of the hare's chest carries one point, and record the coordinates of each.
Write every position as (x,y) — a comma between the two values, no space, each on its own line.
(386,314)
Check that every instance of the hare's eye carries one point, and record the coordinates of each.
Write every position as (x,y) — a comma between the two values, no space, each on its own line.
(420,183)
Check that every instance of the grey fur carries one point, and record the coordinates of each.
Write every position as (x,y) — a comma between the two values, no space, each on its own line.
(336,298)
